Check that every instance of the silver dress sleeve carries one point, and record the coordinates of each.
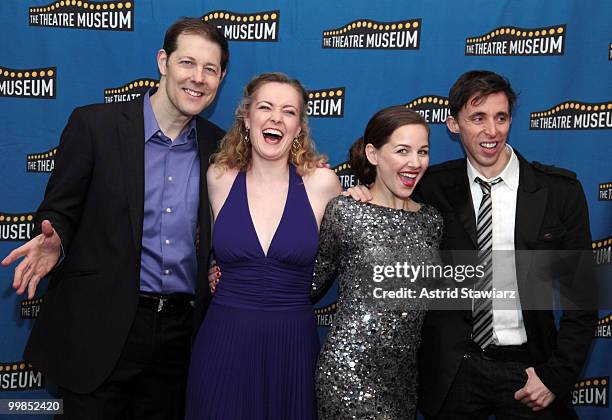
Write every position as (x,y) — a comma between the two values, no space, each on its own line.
(326,264)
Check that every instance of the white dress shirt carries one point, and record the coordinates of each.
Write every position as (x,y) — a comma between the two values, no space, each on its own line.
(508,327)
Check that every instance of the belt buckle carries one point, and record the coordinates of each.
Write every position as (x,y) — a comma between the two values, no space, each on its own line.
(160,305)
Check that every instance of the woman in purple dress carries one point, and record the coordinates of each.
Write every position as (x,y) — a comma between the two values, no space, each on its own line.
(254,357)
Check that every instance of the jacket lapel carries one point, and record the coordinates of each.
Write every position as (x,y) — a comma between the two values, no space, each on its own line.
(131,140)
(206,147)
(461,198)
(530,208)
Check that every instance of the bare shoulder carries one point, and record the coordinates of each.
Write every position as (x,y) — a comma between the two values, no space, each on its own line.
(321,185)
(323,181)
(217,176)
(219,182)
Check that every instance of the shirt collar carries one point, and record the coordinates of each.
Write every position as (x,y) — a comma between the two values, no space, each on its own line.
(509,176)
(151,127)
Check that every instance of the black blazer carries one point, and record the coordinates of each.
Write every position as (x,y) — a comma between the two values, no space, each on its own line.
(95,200)
(551,214)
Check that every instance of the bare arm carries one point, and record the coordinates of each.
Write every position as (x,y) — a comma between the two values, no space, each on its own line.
(322,185)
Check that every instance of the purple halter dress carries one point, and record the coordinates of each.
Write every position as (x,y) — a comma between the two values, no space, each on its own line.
(254,357)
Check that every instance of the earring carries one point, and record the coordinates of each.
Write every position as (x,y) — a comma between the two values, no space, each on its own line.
(296,145)
(247,137)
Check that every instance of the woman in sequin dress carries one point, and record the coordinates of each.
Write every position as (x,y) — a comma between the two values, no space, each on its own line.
(367,369)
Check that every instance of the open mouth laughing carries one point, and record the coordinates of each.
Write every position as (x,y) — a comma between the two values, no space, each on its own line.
(408,178)
(489,148)
(272,135)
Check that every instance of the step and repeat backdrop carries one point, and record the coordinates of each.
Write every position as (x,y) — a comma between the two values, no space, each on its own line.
(354,57)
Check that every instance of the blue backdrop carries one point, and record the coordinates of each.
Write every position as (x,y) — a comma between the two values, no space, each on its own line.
(354,57)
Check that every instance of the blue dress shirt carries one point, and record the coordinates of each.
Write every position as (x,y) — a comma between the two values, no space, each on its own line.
(171,200)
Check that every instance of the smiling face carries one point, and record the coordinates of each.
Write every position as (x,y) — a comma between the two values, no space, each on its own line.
(190,76)
(274,120)
(483,128)
(401,162)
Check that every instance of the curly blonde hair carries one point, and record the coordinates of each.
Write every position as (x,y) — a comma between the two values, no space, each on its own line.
(234,153)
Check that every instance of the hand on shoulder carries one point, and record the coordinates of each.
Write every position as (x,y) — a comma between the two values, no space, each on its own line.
(358,193)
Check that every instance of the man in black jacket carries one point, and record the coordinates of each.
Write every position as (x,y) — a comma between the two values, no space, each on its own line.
(509,363)
(120,223)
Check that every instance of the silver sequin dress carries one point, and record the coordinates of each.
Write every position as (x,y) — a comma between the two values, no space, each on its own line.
(367,368)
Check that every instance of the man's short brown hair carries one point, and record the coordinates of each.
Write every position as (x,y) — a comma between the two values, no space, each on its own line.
(195,26)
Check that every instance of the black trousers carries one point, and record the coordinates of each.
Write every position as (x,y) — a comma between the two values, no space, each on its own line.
(150,377)
(485,387)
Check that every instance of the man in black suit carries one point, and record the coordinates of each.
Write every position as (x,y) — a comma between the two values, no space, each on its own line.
(120,223)
(511,363)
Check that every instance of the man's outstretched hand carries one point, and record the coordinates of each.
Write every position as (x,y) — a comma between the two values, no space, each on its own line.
(40,255)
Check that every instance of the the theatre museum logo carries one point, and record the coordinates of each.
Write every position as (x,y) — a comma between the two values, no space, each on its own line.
(347,176)
(368,34)
(602,250)
(433,108)
(325,314)
(16,227)
(326,103)
(41,162)
(605,192)
(30,308)
(28,83)
(129,91)
(604,327)
(511,41)
(79,14)
(573,115)
(258,26)
(19,376)
(593,392)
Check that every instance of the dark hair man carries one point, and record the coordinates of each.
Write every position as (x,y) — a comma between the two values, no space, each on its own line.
(512,363)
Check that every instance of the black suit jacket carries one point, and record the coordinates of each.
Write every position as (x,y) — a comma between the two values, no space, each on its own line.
(95,201)
(551,214)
